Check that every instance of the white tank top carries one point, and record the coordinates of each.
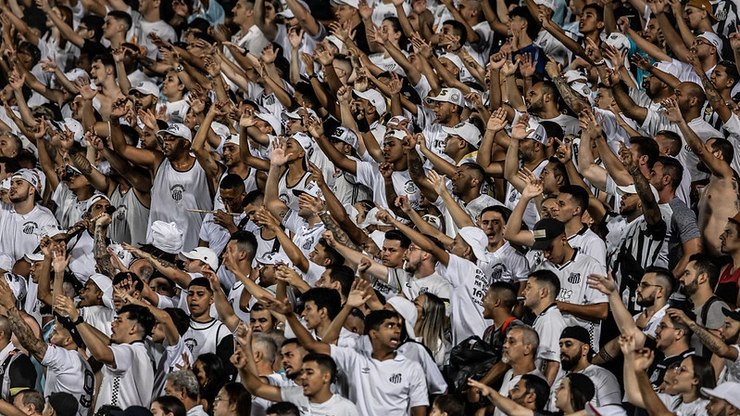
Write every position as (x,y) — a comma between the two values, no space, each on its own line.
(285,192)
(173,193)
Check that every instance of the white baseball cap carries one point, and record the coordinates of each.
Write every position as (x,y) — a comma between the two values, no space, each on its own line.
(33,257)
(178,130)
(728,391)
(448,95)
(232,139)
(146,88)
(352,3)
(273,121)
(476,239)
(375,98)
(105,284)
(204,254)
(345,135)
(273,258)
(550,4)
(538,134)
(715,40)
(75,127)
(466,130)
(93,199)
(28,176)
(167,236)
(305,141)
(295,114)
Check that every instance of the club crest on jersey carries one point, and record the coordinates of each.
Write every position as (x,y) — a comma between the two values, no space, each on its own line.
(574,278)
(409,187)
(121,213)
(308,244)
(191,343)
(29,227)
(176,192)
(395,378)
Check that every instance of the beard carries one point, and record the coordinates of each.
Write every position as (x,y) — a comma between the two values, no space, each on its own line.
(689,289)
(568,363)
(645,302)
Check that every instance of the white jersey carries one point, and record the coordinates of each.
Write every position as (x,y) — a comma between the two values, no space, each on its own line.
(81,256)
(175,192)
(99,317)
(287,193)
(335,406)
(549,326)
(574,289)
(130,382)
(203,337)
(469,285)
(531,216)
(69,372)
(412,286)
(22,233)
(368,174)
(130,219)
(69,208)
(588,243)
(304,236)
(606,386)
(505,264)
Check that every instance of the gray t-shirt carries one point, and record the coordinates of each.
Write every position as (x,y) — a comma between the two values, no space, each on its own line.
(711,318)
(683,228)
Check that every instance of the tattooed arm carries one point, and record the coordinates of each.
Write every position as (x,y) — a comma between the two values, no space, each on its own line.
(35,345)
(574,101)
(100,250)
(710,340)
(339,234)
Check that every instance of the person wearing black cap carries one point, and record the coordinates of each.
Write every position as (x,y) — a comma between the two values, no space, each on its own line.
(60,404)
(725,345)
(580,305)
(575,357)
(67,371)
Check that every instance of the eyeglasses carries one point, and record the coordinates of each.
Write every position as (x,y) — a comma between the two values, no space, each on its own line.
(645,285)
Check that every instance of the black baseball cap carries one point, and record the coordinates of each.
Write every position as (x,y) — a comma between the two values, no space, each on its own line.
(545,231)
(64,404)
(732,314)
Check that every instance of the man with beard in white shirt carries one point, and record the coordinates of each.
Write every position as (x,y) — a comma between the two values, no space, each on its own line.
(575,357)
(67,369)
(21,227)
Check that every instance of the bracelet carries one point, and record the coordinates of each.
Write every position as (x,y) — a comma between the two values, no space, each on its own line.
(599,62)
(77,321)
(179,68)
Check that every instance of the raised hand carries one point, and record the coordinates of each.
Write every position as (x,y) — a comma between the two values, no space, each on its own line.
(604,284)
(437,182)
(497,121)
(533,187)
(521,129)
(358,293)
(672,111)
(527,65)
(7,300)
(679,315)
(279,157)
(295,37)
(86,90)
(282,307)
(643,359)
(627,344)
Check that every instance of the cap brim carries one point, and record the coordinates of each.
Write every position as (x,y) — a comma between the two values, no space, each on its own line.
(542,244)
(735,315)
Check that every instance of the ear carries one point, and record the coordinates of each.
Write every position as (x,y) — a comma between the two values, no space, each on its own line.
(600,25)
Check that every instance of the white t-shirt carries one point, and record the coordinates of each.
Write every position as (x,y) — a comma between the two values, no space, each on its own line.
(203,337)
(335,406)
(22,233)
(588,243)
(130,383)
(505,264)
(574,289)
(510,380)
(469,285)
(68,372)
(368,174)
(391,387)
(411,286)
(549,326)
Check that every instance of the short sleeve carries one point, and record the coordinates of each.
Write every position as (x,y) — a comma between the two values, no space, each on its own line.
(346,358)
(293,394)
(365,173)
(549,333)
(418,394)
(58,359)
(124,358)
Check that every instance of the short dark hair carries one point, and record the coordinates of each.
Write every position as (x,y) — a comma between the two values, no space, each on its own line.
(506,292)
(95,24)
(549,279)
(324,361)
(123,17)
(597,9)
(246,241)
(646,147)
(725,147)
(558,169)
(450,404)
(533,26)
(553,129)
(398,236)
(335,259)
(579,195)
(537,385)
(664,275)
(731,70)
(673,167)
(703,264)
(283,409)
(201,281)
(675,147)
(253,196)
(141,315)
(375,319)
(35,398)
(344,275)
(232,181)
(582,390)
(459,30)
(171,404)
(105,59)
(324,297)
(505,212)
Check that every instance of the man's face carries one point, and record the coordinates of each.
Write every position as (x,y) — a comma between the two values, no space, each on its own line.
(392,254)
(443,111)
(261,321)
(652,31)
(392,149)
(730,331)
(99,207)
(413,257)
(718,407)
(513,347)
(461,180)
(665,333)
(90,294)
(8,146)
(231,155)
(689,279)
(535,99)
(199,301)
(492,223)
(567,208)
(232,198)
(121,327)
(20,190)
(311,315)
(313,379)
(730,238)
(389,333)
(531,293)
(344,13)
(518,392)
(720,78)
(169,390)
(172,146)
(171,86)
(556,253)
(292,358)
(549,181)
(646,290)
(111,27)
(694,16)
(570,353)
(59,335)
(629,204)
(589,22)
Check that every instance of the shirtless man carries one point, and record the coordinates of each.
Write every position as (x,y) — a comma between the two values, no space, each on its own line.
(720,199)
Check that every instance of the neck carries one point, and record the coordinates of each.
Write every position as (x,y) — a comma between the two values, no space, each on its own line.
(152,15)
(662,95)
(322,396)
(551,111)
(401,165)
(248,23)
(666,195)
(691,114)
(240,169)
(523,367)
(534,162)
(492,247)
(633,216)
(595,36)
(189,403)
(573,226)
(321,327)
(689,396)
(174,97)
(264,368)
(581,365)
(117,40)
(24,207)
(655,307)
(425,269)
(202,318)
(83,193)
(453,121)
(500,315)
(181,161)
(702,295)
(569,251)
(313,220)
(735,261)
(544,304)
(470,194)
(382,353)
(676,347)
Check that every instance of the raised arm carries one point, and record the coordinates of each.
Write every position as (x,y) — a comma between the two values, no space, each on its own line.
(35,346)
(99,348)
(284,308)
(714,343)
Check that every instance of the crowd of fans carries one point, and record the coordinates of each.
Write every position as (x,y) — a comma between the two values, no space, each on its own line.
(289,207)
